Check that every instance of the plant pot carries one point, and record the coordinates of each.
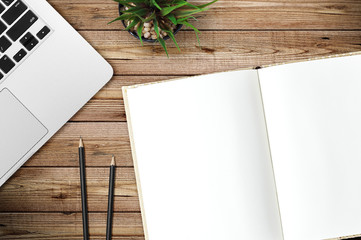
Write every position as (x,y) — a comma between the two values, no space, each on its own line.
(134,34)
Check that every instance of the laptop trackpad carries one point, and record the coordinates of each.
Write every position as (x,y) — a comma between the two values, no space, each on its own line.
(19,131)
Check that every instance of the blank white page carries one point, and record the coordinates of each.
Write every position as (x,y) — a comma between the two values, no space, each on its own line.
(313,115)
(201,153)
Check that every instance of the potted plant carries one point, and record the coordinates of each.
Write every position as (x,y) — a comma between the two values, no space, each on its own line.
(158,20)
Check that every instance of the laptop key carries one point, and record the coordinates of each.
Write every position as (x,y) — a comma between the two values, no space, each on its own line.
(2,27)
(31,44)
(25,22)
(7,2)
(26,38)
(19,55)
(6,64)
(1,76)
(14,12)
(29,41)
(2,8)
(43,32)
(4,44)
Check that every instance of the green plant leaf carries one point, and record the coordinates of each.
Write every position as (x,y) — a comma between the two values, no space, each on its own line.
(175,2)
(139,32)
(156,28)
(192,6)
(171,35)
(151,17)
(137,11)
(156,4)
(207,4)
(186,12)
(186,3)
(167,10)
(132,9)
(196,31)
(122,17)
(191,26)
(186,18)
(172,18)
(132,24)
(162,42)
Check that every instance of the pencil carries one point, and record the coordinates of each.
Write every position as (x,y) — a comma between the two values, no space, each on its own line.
(84,204)
(110,199)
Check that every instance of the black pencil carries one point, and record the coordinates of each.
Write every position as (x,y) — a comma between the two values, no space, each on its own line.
(110,199)
(84,204)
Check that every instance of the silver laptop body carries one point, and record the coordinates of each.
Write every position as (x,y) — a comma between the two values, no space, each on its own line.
(47,73)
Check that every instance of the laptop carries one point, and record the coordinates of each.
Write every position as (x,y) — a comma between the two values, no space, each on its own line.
(47,73)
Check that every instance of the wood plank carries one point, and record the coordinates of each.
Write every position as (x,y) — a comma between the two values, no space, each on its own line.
(101,111)
(101,140)
(221,51)
(58,190)
(127,226)
(231,14)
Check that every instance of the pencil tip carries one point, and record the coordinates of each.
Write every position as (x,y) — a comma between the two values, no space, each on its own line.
(113,161)
(81,142)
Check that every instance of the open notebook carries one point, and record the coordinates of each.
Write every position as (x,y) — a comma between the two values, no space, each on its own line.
(261,154)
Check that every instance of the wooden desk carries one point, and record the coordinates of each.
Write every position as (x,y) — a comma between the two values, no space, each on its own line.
(42,200)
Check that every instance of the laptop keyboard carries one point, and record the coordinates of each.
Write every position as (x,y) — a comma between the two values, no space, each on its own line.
(21,31)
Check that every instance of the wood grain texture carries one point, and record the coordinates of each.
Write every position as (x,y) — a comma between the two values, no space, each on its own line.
(231,15)
(27,191)
(101,111)
(127,226)
(220,51)
(101,140)
(42,201)
(113,90)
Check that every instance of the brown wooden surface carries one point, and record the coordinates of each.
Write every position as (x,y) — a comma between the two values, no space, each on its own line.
(42,200)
